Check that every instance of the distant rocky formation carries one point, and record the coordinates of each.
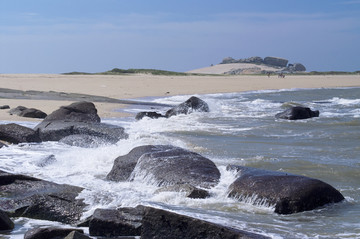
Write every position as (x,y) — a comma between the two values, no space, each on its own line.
(276,62)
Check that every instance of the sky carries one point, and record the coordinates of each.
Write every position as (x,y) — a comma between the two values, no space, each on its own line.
(58,36)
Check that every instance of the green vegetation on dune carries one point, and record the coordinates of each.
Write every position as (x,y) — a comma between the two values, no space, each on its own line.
(117,71)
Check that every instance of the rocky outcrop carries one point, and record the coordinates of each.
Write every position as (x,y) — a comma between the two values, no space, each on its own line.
(152,115)
(228,60)
(28,112)
(288,193)
(52,233)
(15,134)
(297,113)
(166,165)
(120,222)
(5,222)
(189,190)
(24,196)
(251,60)
(79,118)
(161,224)
(275,61)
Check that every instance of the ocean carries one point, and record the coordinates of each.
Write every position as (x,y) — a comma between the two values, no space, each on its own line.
(239,129)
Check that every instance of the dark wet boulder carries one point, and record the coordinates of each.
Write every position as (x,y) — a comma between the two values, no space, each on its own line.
(288,193)
(24,196)
(189,190)
(14,133)
(150,114)
(124,165)
(79,118)
(77,235)
(5,222)
(28,112)
(167,165)
(297,113)
(82,111)
(191,105)
(116,222)
(161,224)
(50,233)
(4,107)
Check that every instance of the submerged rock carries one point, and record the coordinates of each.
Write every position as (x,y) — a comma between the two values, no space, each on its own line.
(152,115)
(189,106)
(297,113)
(15,134)
(189,190)
(24,196)
(166,165)
(161,224)
(5,222)
(287,192)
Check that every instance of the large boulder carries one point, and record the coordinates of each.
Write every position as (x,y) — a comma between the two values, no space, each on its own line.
(167,165)
(228,60)
(288,193)
(161,224)
(116,222)
(28,112)
(82,111)
(191,105)
(50,233)
(14,133)
(275,61)
(79,118)
(5,222)
(24,196)
(299,67)
(297,113)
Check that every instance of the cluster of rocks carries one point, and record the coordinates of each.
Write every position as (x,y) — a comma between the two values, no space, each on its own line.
(25,112)
(277,62)
(171,168)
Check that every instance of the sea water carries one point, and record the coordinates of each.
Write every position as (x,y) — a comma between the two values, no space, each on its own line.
(239,129)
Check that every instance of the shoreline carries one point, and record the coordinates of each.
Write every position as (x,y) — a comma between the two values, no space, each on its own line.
(127,87)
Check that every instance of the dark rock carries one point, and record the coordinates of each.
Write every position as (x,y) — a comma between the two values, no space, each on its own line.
(189,106)
(33,113)
(275,61)
(287,192)
(165,165)
(297,112)
(171,165)
(120,222)
(76,235)
(5,222)
(4,107)
(189,190)
(78,119)
(14,133)
(251,60)
(17,110)
(24,196)
(161,224)
(152,115)
(28,112)
(50,233)
(124,165)
(79,112)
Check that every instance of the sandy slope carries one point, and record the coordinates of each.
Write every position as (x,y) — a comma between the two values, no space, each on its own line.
(224,68)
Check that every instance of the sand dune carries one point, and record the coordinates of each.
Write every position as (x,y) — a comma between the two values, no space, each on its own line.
(246,68)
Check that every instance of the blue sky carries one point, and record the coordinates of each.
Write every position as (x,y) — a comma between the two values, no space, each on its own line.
(43,36)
